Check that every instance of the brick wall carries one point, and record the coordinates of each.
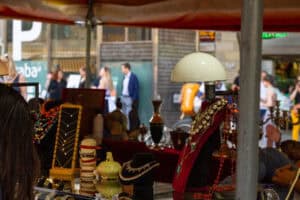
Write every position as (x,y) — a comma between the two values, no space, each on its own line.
(227,51)
(173,45)
(126,51)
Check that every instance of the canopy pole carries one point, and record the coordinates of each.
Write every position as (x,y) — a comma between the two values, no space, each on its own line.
(89,26)
(251,48)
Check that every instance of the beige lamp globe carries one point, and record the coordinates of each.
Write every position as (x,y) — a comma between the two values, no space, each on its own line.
(196,67)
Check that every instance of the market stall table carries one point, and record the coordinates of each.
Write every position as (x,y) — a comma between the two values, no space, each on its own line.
(124,150)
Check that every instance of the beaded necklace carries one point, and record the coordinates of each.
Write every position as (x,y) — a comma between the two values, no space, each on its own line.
(202,122)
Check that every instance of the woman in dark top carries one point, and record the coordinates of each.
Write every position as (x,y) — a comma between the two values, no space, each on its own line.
(19,164)
(57,84)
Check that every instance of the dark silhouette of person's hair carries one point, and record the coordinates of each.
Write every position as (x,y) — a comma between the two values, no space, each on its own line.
(35,104)
(19,162)
(127,65)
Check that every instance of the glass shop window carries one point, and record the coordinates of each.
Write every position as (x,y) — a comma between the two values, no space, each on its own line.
(113,34)
(139,34)
(62,32)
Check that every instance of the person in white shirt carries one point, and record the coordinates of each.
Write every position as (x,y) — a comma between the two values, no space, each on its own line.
(267,102)
(263,94)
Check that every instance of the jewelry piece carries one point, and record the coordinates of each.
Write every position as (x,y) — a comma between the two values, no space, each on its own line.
(63,140)
(138,169)
(69,124)
(66,144)
(200,129)
(65,148)
(70,114)
(147,169)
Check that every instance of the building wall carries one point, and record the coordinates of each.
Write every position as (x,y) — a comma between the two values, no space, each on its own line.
(227,51)
(126,51)
(172,46)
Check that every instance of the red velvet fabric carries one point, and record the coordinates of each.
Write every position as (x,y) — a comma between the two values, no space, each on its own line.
(124,150)
(186,160)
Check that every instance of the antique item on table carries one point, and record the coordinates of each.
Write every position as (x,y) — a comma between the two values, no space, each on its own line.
(98,128)
(43,123)
(139,172)
(156,123)
(87,153)
(143,131)
(66,144)
(109,169)
(229,134)
(109,188)
(178,137)
(124,196)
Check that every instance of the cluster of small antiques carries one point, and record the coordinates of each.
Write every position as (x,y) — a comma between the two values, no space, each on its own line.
(109,179)
(74,173)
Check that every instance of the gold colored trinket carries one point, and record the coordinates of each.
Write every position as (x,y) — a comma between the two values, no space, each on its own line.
(109,169)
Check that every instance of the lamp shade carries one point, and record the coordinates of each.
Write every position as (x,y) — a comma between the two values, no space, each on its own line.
(196,67)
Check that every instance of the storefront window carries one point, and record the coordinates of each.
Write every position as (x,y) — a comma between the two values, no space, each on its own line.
(113,34)
(139,34)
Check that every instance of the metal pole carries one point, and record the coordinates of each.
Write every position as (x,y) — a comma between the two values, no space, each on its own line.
(247,161)
(155,43)
(89,26)
(49,47)
(88,55)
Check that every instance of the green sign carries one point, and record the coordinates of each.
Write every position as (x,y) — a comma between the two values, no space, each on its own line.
(34,71)
(266,35)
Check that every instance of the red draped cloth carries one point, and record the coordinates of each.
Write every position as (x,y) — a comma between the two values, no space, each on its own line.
(190,154)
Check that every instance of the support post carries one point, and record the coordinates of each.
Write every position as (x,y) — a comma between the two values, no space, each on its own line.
(88,55)
(247,161)
(49,47)
(89,26)
(155,43)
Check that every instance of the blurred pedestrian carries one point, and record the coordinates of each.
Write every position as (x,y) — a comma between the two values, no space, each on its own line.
(56,86)
(130,89)
(236,83)
(107,84)
(82,72)
(13,76)
(295,97)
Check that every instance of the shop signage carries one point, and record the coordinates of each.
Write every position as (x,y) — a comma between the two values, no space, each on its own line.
(207,36)
(34,71)
(20,36)
(266,35)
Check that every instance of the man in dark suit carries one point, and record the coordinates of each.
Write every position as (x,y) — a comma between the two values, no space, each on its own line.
(130,90)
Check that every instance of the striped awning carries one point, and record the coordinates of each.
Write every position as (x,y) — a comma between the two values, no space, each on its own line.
(279,15)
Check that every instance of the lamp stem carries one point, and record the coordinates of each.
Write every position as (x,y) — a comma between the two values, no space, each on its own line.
(210,93)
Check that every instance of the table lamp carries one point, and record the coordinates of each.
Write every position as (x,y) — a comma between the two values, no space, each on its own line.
(196,67)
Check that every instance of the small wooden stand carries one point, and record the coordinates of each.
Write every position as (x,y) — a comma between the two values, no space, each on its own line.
(64,164)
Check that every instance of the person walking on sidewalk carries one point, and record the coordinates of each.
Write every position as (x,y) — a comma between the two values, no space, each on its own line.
(130,90)
(295,96)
